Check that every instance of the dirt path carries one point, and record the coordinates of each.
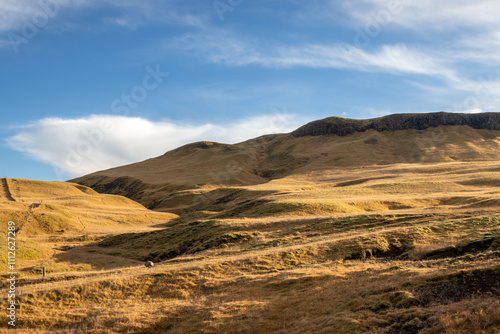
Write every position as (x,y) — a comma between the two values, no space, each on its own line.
(124,273)
(5,191)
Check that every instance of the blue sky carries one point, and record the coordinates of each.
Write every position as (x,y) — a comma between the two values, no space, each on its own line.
(88,85)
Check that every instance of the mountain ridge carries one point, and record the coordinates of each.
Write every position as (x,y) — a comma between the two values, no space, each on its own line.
(345,126)
(325,145)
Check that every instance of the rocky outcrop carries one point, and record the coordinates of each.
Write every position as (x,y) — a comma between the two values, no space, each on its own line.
(344,126)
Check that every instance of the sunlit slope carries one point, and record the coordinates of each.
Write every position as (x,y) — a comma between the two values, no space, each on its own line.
(202,173)
(40,207)
(284,209)
(433,186)
(323,144)
(396,273)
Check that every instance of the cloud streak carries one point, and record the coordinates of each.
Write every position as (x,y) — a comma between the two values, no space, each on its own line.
(230,51)
(427,14)
(76,147)
(21,20)
(14,14)
(402,37)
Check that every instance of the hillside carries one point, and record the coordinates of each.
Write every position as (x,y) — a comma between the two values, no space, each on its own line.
(410,248)
(51,216)
(176,179)
(380,231)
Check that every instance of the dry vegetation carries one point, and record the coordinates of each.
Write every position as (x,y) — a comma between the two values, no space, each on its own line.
(166,183)
(52,217)
(370,248)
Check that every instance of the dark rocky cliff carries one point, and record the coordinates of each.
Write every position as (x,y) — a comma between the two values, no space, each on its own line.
(345,126)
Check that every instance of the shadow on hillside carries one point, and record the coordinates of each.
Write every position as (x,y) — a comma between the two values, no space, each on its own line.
(302,302)
(89,257)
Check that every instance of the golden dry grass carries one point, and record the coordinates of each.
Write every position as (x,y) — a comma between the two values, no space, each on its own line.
(408,248)
(255,161)
(66,215)
(289,291)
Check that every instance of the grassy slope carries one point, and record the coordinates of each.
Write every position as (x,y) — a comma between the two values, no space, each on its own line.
(66,215)
(165,183)
(408,248)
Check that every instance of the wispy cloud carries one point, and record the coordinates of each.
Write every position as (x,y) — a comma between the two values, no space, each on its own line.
(231,51)
(418,15)
(80,146)
(134,14)
(424,15)
(470,29)
(15,15)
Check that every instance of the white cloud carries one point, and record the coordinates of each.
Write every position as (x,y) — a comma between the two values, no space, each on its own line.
(222,48)
(80,146)
(473,111)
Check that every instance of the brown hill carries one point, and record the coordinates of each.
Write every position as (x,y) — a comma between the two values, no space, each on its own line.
(170,181)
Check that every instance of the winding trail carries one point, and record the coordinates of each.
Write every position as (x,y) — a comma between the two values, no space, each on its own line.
(30,286)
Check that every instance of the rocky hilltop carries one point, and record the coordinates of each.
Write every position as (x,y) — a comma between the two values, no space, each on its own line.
(343,126)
